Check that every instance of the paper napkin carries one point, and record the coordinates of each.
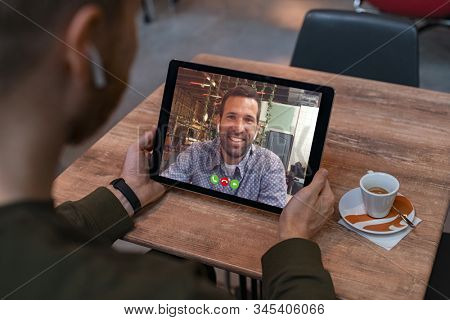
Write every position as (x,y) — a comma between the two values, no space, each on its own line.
(386,241)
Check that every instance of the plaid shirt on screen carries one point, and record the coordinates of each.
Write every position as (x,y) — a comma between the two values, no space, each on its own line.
(261,173)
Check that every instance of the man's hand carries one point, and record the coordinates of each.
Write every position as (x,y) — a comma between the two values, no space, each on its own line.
(136,173)
(308,209)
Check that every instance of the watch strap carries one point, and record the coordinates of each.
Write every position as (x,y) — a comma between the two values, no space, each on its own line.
(128,193)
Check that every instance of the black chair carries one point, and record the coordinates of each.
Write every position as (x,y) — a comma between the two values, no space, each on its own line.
(362,45)
(439,284)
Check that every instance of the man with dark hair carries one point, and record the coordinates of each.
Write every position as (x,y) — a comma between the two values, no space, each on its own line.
(63,68)
(250,171)
(241,91)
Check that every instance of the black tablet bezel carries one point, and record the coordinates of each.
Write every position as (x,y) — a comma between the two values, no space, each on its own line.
(320,132)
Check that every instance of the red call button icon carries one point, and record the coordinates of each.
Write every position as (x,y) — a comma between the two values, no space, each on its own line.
(224,181)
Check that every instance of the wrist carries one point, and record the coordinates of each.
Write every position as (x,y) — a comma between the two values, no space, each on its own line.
(294,235)
(126,195)
(124,201)
(138,190)
(147,191)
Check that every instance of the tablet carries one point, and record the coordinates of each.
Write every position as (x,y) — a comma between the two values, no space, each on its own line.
(242,137)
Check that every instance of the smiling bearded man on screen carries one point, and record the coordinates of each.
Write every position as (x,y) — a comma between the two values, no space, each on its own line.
(244,169)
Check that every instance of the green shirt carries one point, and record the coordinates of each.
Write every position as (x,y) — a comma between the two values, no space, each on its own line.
(65,253)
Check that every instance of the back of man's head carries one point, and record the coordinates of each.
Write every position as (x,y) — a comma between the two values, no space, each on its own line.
(68,59)
(29,28)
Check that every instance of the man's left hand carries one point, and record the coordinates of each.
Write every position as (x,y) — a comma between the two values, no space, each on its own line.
(136,173)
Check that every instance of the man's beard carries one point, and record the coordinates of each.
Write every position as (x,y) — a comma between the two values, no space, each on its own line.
(235,145)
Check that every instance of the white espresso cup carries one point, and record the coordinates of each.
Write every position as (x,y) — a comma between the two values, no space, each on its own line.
(378,205)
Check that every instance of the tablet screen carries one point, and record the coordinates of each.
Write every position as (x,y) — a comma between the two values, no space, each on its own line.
(251,139)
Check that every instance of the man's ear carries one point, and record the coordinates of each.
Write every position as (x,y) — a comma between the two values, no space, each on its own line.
(80,38)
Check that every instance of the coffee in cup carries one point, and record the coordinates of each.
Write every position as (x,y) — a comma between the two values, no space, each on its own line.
(378,190)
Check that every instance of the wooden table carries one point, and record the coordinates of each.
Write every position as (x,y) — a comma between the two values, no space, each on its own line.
(374,125)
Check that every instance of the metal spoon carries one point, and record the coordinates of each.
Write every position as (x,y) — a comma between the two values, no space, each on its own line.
(404,217)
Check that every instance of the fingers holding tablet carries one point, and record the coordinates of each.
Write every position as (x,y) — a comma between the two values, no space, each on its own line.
(308,210)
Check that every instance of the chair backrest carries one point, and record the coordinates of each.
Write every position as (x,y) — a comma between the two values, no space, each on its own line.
(359,44)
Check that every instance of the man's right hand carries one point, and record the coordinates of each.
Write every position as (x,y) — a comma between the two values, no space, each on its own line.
(308,209)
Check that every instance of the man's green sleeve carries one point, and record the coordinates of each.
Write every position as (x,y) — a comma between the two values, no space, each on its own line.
(293,269)
(100,214)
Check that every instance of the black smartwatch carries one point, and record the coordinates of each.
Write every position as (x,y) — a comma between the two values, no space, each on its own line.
(128,193)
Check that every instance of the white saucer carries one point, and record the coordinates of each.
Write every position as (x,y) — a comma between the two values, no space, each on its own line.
(351,204)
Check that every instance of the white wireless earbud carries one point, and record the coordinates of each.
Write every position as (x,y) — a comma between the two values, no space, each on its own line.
(218,127)
(98,73)
(256,134)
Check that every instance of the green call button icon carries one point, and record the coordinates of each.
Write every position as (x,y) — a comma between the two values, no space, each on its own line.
(214,179)
(234,184)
